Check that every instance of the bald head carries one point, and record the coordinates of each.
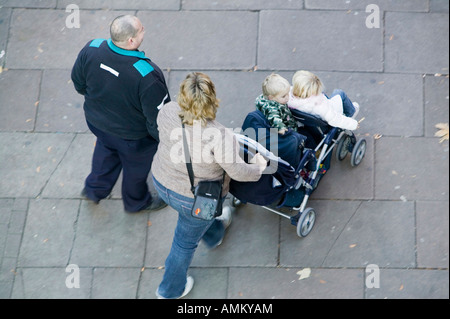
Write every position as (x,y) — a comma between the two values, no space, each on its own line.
(124,28)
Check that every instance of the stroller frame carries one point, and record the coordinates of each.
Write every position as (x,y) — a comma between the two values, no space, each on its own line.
(343,140)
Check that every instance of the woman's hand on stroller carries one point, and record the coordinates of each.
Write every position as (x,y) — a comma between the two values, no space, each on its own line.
(260,161)
(282,131)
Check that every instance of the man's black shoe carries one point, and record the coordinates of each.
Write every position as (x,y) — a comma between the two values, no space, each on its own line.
(84,194)
(157,204)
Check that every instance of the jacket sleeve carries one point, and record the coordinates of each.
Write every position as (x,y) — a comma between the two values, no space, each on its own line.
(226,154)
(335,119)
(153,96)
(78,75)
(274,118)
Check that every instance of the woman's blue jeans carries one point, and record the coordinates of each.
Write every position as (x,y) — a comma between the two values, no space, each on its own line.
(349,109)
(188,233)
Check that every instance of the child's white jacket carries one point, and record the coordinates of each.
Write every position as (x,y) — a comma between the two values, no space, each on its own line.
(329,110)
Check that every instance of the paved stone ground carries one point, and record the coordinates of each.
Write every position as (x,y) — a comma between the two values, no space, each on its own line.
(391,211)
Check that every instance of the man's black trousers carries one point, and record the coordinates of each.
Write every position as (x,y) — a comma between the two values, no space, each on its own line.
(113,154)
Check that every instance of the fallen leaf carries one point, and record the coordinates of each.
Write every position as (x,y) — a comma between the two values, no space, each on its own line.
(149,223)
(401,287)
(352,246)
(305,273)
(36,103)
(38,169)
(443,132)
(322,281)
(377,136)
(391,37)
(142,269)
(381,82)
(49,149)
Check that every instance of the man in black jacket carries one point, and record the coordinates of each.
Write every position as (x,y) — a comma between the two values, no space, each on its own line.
(123,91)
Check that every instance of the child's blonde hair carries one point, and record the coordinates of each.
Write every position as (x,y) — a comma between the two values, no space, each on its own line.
(306,84)
(197,99)
(274,84)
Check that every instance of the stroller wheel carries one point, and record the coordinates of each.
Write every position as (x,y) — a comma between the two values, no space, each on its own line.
(358,152)
(235,202)
(342,147)
(306,222)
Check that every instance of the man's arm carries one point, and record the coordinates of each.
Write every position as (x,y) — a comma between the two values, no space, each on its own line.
(78,75)
(153,97)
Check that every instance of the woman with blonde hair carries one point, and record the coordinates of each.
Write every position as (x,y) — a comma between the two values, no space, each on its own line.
(214,150)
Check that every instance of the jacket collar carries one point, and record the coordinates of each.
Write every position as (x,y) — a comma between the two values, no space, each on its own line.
(115,48)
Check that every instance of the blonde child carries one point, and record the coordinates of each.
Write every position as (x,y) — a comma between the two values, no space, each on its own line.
(273,103)
(307,96)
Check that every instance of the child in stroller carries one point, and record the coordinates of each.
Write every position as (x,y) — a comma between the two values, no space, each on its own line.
(296,170)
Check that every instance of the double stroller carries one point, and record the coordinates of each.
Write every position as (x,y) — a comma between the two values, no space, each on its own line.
(296,163)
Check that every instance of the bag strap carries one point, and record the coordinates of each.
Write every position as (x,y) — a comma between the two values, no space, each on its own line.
(187,156)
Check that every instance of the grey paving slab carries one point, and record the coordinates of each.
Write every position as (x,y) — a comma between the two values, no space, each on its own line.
(150,280)
(432,234)
(209,283)
(60,106)
(29,3)
(331,219)
(380,233)
(28,160)
(67,180)
(12,220)
(411,284)
(113,238)
(5,15)
(439,6)
(436,103)
(123,4)
(285,283)
(115,283)
(201,40)
(159,237)
(241,5)
(404,166)
(7,276)
(384,5)
(415,43)
(358,181)
(318,40)
(379,94)
(19,97)
(242,247)
(40,39)
(50,283)
(49,233)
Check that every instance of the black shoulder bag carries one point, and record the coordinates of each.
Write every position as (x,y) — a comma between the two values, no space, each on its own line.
(207,194)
